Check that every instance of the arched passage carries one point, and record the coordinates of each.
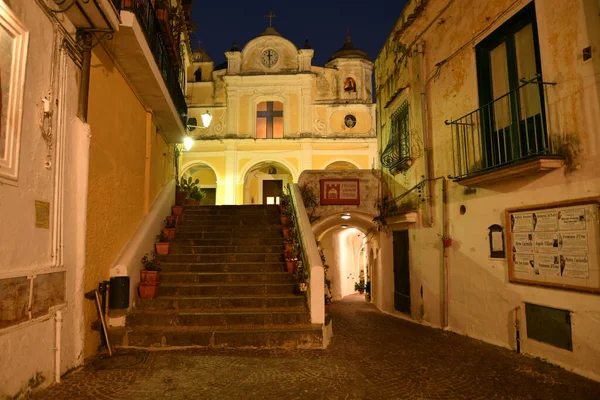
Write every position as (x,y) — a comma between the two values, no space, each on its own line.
(341,166)
(208,180)
(264,182)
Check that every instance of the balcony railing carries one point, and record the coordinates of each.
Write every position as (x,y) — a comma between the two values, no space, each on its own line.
(146,17)
(508,130)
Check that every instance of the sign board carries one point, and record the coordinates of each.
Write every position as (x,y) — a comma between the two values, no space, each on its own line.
(555,245)
(340,192)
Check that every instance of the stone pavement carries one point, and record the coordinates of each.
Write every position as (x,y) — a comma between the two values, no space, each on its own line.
(372,356)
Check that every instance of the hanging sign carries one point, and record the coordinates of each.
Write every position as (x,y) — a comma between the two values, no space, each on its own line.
(340,192)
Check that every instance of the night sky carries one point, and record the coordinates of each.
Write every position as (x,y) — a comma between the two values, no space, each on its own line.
(324,23)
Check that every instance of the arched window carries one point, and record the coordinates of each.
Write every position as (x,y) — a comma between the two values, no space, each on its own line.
(269,120)
(349,85)
(198,75)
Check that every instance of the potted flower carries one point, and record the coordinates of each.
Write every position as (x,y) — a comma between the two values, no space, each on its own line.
(162,244)
(170,229)
(180,195)
(360,286)
(286,217)
(149,282)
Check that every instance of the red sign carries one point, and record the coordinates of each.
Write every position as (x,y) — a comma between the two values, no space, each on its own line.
(340,191)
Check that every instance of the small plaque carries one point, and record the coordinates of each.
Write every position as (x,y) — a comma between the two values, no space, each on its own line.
(42,214)
(340,191)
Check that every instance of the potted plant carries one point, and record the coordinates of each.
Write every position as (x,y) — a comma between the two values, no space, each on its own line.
(286,217)
(194,194)
(170,229)
(177,210)
(360,286)
(149,282)
(162,245)
(180,195)
(284,201)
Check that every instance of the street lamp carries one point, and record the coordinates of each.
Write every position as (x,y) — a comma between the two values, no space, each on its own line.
(188,142)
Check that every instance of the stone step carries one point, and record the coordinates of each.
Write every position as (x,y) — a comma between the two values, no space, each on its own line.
(182,248)
(230,234)
(214,302)
(223,258)
(220,317)
(216,289)
(223,267)
(231,229)
(225,277)
(234,219)
(289,337)
(230,241)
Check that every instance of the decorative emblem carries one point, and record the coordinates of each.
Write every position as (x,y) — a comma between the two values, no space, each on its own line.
(350,121)
(269,58)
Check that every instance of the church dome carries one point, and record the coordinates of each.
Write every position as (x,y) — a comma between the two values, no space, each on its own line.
(349,51)
(200,55)
(270,31)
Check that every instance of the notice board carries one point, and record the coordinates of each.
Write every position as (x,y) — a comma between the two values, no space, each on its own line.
(555,245)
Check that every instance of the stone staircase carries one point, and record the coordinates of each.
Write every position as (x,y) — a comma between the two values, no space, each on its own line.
(224,284)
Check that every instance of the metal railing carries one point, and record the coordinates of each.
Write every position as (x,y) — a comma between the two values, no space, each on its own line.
(147,18)
(117,4)
(510,129)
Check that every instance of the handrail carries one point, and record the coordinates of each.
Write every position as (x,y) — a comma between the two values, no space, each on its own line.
(505,131)
(311,260)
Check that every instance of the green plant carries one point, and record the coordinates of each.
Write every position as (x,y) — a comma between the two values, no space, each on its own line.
(310,200)
(192,188)
(359,286)
(161,238)
(150,262)
(170,223)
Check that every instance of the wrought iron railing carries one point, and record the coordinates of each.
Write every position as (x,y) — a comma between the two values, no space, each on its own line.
(146,16)
(508,130)
(397,151)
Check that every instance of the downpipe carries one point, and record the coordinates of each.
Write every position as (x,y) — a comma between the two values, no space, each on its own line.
(426,135)
(58,328)
(446,250)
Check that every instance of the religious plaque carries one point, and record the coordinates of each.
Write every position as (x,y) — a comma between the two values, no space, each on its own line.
(340,192)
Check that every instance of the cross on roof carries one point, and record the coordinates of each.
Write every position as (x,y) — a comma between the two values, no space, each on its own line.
(270,16)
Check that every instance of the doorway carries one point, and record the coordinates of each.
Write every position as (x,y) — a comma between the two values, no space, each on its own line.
(401,272)
(271,190)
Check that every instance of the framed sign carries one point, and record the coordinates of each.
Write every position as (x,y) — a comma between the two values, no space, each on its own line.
(13,49)
(340,192)
(555,244)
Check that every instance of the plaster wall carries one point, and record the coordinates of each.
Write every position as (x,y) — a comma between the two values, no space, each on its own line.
(33,254)
(482,301)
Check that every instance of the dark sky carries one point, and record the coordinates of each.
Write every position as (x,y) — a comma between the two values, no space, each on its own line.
(221,22)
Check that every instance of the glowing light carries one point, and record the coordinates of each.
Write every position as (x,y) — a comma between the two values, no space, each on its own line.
(206,119)
(188,142)
(344,226)
(346,216)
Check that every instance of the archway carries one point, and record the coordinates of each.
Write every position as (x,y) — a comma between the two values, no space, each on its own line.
(264,182)
(208,181)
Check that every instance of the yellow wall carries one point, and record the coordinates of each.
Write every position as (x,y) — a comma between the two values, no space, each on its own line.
(120,177)
(320,162)
(206,177)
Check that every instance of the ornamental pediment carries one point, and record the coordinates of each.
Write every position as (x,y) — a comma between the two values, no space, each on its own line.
(269,54)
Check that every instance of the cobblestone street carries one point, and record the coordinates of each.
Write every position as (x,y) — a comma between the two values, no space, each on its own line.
(372,356)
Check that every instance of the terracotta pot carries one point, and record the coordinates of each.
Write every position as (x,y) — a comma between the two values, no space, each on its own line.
(285,220)
(177,210)
(287,232)
(162,249)
(291,265)
(148,291)
(361,291)
(170,233)
(288,246)
(180,197)
(148,276)
(281,208)
(171,219)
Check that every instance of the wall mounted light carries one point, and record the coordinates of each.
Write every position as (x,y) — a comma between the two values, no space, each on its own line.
(344,226)
(346,216)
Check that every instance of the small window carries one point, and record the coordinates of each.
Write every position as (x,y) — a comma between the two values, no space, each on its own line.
(198,75)
(269,120)
(397,152)
(349,85)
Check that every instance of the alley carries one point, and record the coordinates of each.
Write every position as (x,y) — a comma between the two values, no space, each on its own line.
(372,356)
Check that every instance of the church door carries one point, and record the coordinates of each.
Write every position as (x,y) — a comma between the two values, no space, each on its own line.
(401,272)
(271,191)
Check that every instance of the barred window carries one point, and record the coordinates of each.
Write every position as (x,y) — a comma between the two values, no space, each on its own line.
(397,151)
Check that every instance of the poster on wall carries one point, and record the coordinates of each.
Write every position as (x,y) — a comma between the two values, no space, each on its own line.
(13,48)
(340,191)
(555,245)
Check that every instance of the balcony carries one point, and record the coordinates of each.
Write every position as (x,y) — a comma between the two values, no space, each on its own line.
(141,50)
(95,15)
(504,139)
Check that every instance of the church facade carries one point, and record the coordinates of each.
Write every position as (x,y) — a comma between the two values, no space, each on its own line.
(274,115)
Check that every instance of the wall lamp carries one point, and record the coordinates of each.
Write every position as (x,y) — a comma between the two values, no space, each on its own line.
(188,142)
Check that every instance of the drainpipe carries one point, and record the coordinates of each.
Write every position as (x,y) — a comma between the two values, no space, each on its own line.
(58,328)
(446,249)
(85,41)
(426,135)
